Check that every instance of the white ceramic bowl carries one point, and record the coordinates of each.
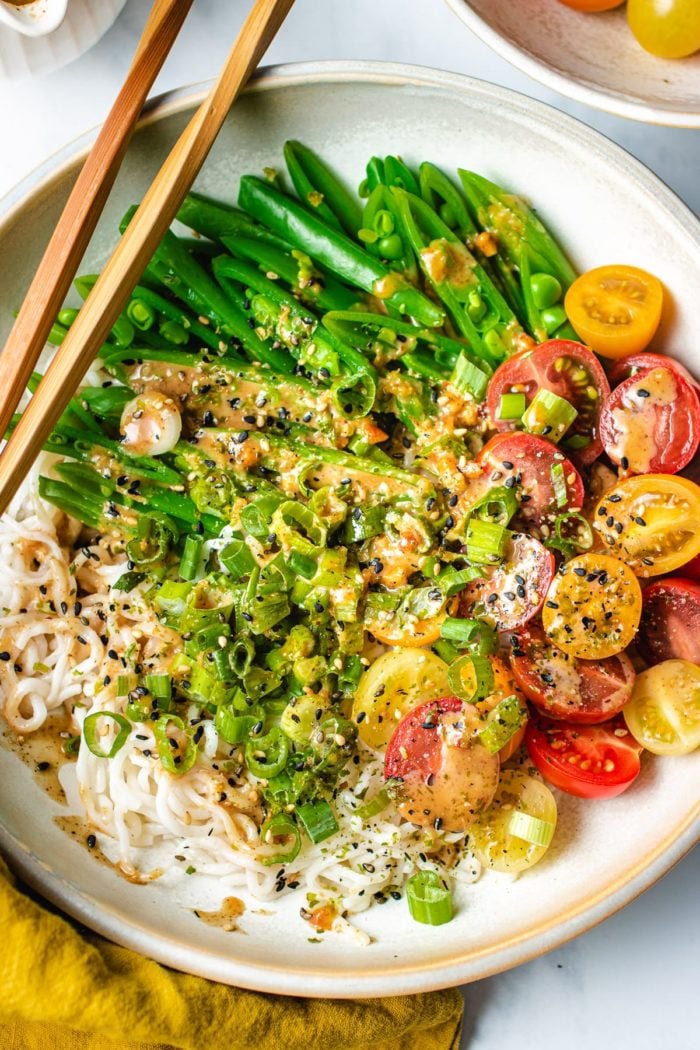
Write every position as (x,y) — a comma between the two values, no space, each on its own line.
(605,207)
(53,45)
(592,58)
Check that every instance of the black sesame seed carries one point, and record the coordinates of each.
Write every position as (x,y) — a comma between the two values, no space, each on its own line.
(91,841)
(642,393)
(624,463)
(579,571)
(551,605)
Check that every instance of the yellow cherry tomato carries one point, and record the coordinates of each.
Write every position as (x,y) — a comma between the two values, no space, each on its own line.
(401,627)
(490,835)
(651,522)
(667,28)
(593,607)
(592,5)
(615,309)
(396,683)
(663,714)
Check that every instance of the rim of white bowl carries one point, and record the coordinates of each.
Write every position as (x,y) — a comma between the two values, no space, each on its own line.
(410,977)
(572,87)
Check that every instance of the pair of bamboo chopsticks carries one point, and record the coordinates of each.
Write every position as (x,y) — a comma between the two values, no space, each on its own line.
(137,245)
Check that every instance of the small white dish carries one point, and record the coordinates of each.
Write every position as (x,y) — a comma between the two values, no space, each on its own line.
(34,19)
(23,55)
(592,58)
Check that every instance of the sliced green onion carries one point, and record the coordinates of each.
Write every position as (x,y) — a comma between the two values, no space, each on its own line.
(353,396)
(266,756)
(468,379)
(511,406)
(375,805)
(241,656)
(189,562)
(281,827)
(481,673)
(91,733)
(159,686)
(208,602)
(179,755)
(472,634)
(486,541)
(559,484)
(297,528)
(549,415)
(498,505)
(503,723)
(237,558)
(576,442)
(429,900)
(317,819)
(125,683)
(302,564)
(171,597)
(232,727)
(531,829)
(71,746)
(569,545)
(256,517)
(363,523)
(154,536)
(128,580)
(452,581)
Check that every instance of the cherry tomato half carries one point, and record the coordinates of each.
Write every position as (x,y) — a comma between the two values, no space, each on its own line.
(650,424)
(562,687)
(392,686)
(667,28)
(569,370)
(587,761)
(631,365)
(664,712)
(514,590)
(524,462)
(593,607)
(446,776)
(651,522)
(670,624)
(615,309)
(592,5)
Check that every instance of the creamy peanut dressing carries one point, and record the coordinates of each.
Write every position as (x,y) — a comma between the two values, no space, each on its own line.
(226,917)
(635,440)
(449,260)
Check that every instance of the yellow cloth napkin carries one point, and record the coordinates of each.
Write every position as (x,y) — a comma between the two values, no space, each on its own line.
(63,988)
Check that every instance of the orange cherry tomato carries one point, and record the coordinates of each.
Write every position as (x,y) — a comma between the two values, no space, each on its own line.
(592,5)
(615,309)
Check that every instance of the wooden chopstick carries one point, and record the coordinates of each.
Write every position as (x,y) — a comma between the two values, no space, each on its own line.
(135,249)
(84,207)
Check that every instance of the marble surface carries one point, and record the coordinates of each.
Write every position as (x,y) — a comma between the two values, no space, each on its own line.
(629,984)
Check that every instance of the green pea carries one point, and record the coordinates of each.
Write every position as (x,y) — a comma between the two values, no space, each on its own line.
(553,318)
(390,247)
(494,343)
(476,307)
(67,316)
(174,333)
(447,215)
(546,290)
(384,223)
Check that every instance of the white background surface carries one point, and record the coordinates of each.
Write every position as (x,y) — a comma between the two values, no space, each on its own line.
(630,984)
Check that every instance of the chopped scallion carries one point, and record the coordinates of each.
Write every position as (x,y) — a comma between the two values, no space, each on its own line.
(92,732)
(549,415)
(429,900)
(486,541)
(511,406)
(317,819)
(480,677)
(530,829)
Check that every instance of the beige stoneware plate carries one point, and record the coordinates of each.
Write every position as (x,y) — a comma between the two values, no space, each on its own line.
(591,58)
(605,207)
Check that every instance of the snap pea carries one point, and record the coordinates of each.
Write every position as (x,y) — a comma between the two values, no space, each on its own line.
(334,250)
(320,189)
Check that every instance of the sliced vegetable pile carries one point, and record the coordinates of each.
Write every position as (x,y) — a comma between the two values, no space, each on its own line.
(366,465)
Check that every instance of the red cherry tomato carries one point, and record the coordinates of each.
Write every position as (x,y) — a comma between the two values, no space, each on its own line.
(650,424)
(670,624)
(524,462)
(514,590)
(631,365)
(587,761)
(562,687)
(446,777)
(691,570)
(566,368)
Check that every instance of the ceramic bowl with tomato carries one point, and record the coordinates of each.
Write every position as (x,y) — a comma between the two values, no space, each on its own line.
(592,56)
